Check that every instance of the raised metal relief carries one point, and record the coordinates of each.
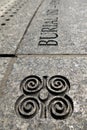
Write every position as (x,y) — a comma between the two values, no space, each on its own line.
(44,97)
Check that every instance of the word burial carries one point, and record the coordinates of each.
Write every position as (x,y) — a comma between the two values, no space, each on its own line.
(49,30)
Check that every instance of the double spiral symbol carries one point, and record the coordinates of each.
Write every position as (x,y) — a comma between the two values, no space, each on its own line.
(31,84)
(58,85)
(61,107)
(27,107)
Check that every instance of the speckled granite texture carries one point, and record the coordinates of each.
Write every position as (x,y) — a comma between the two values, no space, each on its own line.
(43,87)
(4,62)
(72,29)
(74,68)
(19,16)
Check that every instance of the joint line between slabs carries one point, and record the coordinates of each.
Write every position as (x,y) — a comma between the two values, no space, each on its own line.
(61,55)
(7,55)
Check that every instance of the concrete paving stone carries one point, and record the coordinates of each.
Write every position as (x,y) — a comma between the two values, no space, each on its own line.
(60,27)
(14,23)
(72,67)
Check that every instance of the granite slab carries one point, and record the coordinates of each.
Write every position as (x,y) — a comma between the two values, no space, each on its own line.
(24,95)
(60,27)
(13,24)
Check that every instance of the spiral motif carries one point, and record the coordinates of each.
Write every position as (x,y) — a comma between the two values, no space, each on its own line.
(61,107)
(58,85)
(31,84)
(27,107)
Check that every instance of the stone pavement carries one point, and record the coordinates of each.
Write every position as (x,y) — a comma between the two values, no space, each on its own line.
(43,65)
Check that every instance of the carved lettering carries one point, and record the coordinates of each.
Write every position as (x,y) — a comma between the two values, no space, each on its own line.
(51,36)
(48,42)
(49,30)
(52,12)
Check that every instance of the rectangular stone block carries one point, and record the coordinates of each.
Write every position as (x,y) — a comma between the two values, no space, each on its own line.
(60,27)
(44,93)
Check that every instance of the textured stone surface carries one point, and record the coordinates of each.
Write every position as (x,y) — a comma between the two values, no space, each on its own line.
(69,18)
(72,29)
(15,22)
(5,5)
(3,67)
(5,2)
(72,67)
